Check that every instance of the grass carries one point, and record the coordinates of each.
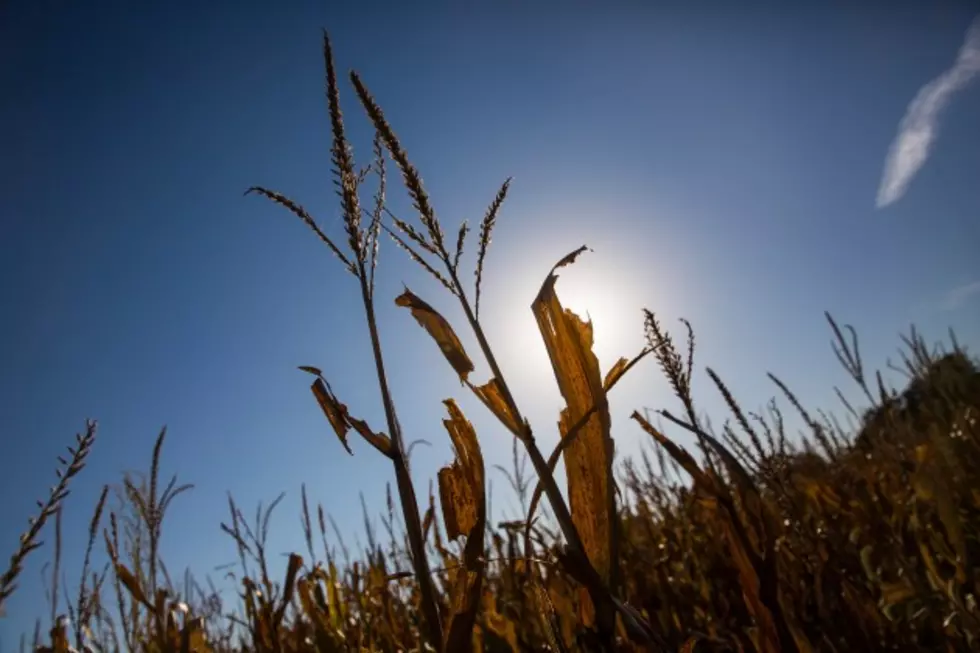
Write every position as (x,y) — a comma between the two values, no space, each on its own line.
(858,538)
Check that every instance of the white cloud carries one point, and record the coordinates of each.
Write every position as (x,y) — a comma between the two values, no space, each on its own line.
(919,127)
(959,296)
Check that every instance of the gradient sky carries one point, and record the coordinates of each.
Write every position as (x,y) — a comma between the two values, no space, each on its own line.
(723,165)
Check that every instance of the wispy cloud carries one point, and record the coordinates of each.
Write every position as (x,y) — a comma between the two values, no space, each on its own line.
(960,295)
(919,127)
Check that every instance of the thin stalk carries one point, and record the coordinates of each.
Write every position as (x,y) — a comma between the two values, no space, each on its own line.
(406,491)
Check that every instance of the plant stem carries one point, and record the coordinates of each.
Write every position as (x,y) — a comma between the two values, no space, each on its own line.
(562,513)
(406,491)
(605,611)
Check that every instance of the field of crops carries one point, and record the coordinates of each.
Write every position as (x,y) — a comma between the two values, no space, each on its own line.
(862,536)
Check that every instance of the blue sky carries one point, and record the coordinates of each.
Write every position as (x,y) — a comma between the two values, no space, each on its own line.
(724,166)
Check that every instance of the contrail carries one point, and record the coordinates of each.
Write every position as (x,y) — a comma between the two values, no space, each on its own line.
(960,295)
(919,127)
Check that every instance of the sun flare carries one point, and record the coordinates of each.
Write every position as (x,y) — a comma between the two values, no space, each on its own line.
(594,289)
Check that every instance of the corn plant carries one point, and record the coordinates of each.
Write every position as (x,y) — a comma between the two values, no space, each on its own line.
(856,536)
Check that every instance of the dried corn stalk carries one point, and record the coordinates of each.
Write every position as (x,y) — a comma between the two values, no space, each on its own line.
(463,497)
(757,573)
(588,460)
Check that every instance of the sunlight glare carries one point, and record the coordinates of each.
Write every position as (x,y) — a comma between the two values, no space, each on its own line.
(596,291)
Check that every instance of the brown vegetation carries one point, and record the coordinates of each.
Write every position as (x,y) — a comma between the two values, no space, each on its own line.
(852,539)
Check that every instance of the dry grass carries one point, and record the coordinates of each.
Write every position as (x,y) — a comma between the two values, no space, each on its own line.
(851,539)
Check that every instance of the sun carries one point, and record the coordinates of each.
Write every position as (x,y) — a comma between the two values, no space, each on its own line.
(595,289)
(602,298)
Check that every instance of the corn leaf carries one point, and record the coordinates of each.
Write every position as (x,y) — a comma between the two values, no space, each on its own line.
(341,420)
(131,584)
(440,330)
(491,395)
(588,460)
(462,491)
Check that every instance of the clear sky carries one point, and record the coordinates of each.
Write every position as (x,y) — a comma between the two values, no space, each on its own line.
(726,166)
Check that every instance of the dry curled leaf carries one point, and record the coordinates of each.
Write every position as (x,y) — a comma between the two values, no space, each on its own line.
(622,366)
(614,373)
(569,258)
(461,490)
(492,396)
(130,582)
(458,502)
(588,460)
(461,484)
(440,330)
(569,436)
(292,571)
(379,441)
(677,452)
(342,422)
(333,410)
